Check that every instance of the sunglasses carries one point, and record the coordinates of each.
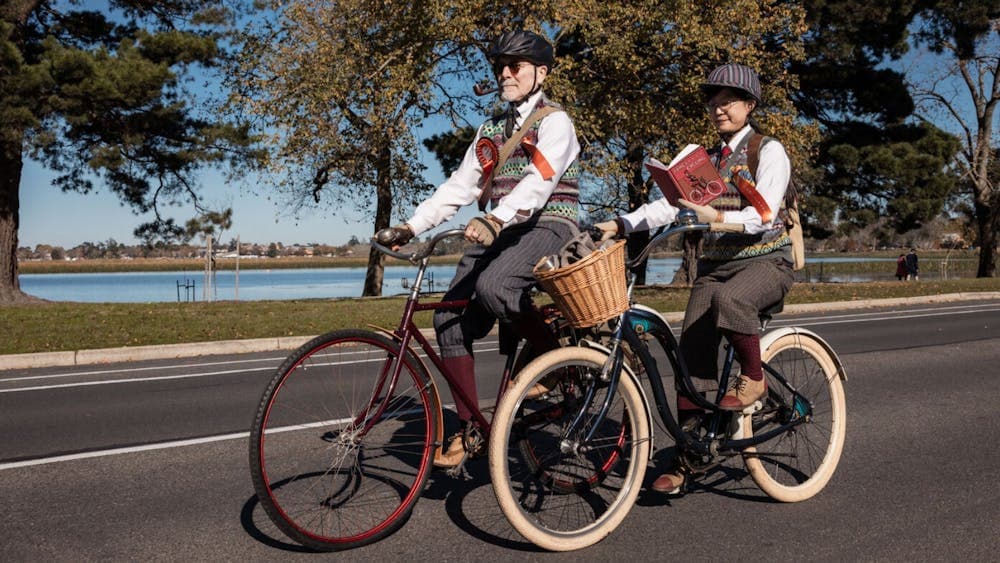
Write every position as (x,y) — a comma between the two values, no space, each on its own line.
(515,68)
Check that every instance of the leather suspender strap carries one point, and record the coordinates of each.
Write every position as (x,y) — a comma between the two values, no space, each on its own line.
(753,152)
(746,188)
(508,148)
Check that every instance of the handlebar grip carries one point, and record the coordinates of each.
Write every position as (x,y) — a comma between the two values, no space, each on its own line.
(726,227)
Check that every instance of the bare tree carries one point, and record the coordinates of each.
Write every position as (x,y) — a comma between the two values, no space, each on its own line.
(966,91)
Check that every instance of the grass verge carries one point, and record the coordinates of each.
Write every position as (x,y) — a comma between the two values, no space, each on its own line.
(62,326)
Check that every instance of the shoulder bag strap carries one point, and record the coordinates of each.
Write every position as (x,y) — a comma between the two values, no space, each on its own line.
(745,188)
(508,148)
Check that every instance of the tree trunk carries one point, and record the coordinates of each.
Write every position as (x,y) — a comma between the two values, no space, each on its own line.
(10,183)
(637,196)
(688,270)
(987,219)
(383,215)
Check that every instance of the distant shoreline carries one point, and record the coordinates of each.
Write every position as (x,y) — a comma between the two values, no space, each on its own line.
(105,265)
(964,260)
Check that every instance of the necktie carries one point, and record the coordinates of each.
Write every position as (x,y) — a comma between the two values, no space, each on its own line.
(726,151)
(508,126)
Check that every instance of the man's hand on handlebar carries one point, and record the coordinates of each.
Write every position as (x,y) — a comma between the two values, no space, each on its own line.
(394,237)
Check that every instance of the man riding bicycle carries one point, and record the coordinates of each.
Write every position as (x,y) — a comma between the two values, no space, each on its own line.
(534,210)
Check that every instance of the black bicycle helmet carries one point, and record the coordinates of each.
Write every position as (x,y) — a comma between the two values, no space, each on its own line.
(523,45)
(734,76)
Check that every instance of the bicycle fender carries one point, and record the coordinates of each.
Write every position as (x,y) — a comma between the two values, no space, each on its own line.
(772,335)
(642,391)
(658,317)
(439,438)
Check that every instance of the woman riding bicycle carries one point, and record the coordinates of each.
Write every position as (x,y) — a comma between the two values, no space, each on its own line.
(738,274)
(534,212)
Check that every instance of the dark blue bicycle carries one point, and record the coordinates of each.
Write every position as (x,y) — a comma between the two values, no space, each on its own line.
(567,466)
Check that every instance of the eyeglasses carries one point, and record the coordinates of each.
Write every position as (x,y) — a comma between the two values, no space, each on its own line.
(515,68)
(724,106)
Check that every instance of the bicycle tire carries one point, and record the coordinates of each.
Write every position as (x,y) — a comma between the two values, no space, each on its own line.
(797,464)
(333,469)
(561,500)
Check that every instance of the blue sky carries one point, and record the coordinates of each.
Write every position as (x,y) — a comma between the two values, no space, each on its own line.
(49,216)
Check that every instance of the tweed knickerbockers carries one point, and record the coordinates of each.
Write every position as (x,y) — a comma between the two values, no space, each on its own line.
(497,279)
(727,296)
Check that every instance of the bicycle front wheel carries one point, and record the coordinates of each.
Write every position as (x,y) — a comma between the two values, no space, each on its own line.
(797,464)
(339,452)
(558,491)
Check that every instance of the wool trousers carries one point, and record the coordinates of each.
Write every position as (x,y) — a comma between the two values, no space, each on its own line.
(496,280)
(727,297)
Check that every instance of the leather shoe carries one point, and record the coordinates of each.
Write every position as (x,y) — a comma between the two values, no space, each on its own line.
(670,482)
(453,455)
(541,387)
(743,394)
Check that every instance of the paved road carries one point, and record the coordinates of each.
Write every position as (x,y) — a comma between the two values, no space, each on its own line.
(148,461)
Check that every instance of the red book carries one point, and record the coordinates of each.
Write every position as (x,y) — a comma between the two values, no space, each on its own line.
(690,175)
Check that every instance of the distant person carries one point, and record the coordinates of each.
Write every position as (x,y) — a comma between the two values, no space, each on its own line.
(901,267)
(912,268)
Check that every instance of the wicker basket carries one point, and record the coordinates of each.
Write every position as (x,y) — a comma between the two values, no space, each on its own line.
(590,291)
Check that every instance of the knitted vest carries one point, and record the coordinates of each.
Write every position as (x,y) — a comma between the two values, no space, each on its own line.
(720,246)
(563,204)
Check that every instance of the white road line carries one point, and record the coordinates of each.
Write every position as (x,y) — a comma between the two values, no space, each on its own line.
(130,380)
(175,443)
(144,379)
(861,317)
(275,360)
(128,450)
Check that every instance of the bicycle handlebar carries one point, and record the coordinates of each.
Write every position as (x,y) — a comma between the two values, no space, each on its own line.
(685,222)
(419,255)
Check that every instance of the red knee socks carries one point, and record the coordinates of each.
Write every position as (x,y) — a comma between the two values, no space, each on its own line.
(462,369)
(747,348)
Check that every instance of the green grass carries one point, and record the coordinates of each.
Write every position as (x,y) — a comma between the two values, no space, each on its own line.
(61,326)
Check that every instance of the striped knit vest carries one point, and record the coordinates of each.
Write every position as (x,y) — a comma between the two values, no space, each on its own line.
(563,204)
(720,246)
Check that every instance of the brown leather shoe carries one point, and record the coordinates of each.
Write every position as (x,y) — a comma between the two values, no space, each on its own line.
(453,455)
(669,482)
(543,386)
(743,394)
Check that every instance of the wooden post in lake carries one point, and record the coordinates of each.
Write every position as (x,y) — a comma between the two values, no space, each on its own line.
(237,267)
(207,286)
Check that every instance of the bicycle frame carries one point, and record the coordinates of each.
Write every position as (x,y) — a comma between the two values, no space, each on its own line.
(407,332)
(636,321)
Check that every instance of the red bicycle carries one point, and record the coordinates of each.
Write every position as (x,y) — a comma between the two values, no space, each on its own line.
(343,440)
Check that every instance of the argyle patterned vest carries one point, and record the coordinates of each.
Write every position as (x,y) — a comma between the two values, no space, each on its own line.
(564,203)
(734,246)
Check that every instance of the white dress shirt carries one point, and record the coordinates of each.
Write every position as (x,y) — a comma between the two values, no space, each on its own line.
(773,172)
(556,141)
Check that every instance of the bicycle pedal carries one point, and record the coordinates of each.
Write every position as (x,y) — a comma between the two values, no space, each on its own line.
(756,406)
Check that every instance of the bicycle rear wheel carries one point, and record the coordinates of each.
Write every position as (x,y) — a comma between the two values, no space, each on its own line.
(338,456)
(558,495)
(797,464)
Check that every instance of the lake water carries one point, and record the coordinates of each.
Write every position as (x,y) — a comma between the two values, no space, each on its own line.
(254,285)
(258,285)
